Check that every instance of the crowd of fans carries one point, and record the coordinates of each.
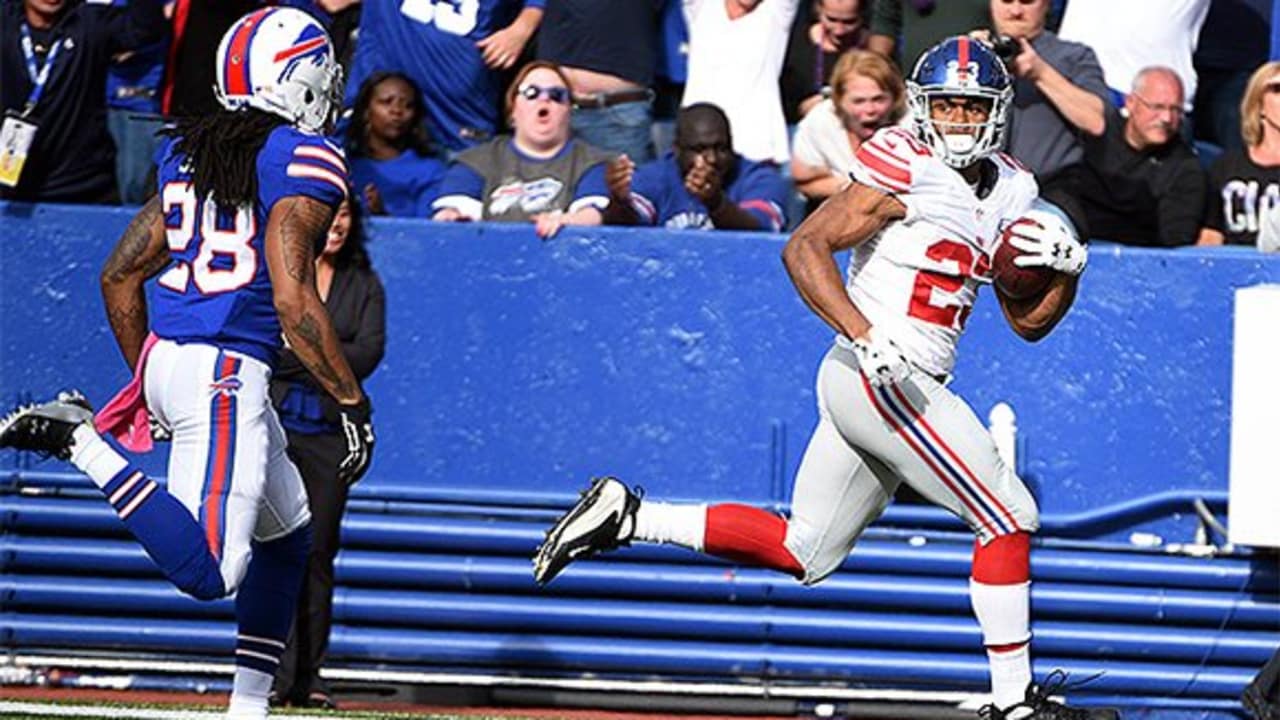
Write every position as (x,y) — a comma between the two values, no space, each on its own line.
(1169,141)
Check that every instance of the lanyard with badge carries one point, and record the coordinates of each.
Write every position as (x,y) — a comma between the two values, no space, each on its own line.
(19,129)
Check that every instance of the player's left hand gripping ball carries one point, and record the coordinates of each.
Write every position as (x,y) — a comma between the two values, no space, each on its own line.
(879,358)
(1049,242)
(357,429)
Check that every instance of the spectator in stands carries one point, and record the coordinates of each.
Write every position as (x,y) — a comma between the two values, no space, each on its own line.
(1059,91)
(920,24)
(1141,182)
(1244,184)
(453,52)
(392,166)
(608,50)
(54,56)
(539,173)
(702,184)
(353,295)
(818,39)
(736,49)
(1168,29)
(671,72)
(869,94)
(1233,43)
(198,26)
(133,115)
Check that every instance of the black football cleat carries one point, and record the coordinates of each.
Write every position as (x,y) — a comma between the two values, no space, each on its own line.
(1041,707)
(604,518)
(46,428)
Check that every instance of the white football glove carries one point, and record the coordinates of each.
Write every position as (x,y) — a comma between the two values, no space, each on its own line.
(878,357)
(1049,242)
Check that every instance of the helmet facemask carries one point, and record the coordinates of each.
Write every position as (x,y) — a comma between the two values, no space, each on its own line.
(975,140)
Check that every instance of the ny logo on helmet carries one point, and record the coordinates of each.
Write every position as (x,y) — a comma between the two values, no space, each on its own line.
(962,76)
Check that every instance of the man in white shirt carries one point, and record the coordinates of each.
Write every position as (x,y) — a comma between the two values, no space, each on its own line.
(736,50)
(1169,30)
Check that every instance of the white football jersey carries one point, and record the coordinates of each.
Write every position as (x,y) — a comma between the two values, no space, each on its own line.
(917,279)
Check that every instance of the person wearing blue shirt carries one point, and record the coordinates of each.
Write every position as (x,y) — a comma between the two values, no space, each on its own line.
(392,166)
(701,184)
(452,51)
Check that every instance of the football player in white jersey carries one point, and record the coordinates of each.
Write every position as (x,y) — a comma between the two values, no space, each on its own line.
(922,219)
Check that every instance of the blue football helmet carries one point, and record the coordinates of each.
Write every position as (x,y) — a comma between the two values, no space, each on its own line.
(960,67)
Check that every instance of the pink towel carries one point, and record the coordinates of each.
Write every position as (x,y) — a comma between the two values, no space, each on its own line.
(126,417)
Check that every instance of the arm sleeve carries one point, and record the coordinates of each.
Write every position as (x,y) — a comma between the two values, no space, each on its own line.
(1086,72)
(304,165)
(889,161)
(537,4)
(1180,210)
(804,147)
(461,189)
(432,175)
(646,191)
(139,23)
(365,351)
(591,190)
(764,194)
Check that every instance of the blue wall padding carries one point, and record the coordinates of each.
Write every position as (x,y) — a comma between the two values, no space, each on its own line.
(683,362)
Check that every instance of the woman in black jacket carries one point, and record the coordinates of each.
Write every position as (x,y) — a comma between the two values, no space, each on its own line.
(353,295)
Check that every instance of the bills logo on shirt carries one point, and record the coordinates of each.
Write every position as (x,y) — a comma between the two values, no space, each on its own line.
(532,196)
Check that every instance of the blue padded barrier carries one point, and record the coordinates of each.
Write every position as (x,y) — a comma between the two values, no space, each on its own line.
(685,362)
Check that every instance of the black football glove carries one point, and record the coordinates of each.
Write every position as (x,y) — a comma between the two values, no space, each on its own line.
(357,430)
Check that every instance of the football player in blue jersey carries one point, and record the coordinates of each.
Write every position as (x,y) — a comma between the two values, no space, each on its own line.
(245,198)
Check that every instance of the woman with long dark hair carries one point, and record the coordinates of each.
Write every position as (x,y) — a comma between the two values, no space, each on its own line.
(353,295)
(393,166)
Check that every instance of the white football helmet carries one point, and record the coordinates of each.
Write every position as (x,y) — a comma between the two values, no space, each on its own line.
(280,60)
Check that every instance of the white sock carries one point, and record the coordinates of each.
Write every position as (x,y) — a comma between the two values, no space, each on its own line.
(1010,674)
(1004,614)
(94,456)
(249,694)
(683,525)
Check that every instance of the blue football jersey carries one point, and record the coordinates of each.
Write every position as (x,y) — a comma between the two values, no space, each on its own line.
(659,196)
(434,43)
(218,290)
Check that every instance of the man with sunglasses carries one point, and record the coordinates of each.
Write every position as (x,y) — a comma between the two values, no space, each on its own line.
(1141,183)
(702,183)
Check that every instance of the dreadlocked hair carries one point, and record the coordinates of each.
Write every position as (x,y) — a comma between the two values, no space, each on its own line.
(222,150)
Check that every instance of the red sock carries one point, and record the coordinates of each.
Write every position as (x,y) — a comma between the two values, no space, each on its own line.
(749,536)
(1005,560)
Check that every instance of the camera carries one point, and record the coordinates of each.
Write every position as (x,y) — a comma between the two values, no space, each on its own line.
(1006,47)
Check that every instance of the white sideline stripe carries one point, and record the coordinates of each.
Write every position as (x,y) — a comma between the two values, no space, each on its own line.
(47,710)
(962,700)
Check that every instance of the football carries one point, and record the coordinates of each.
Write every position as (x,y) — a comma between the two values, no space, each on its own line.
(1016,282)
